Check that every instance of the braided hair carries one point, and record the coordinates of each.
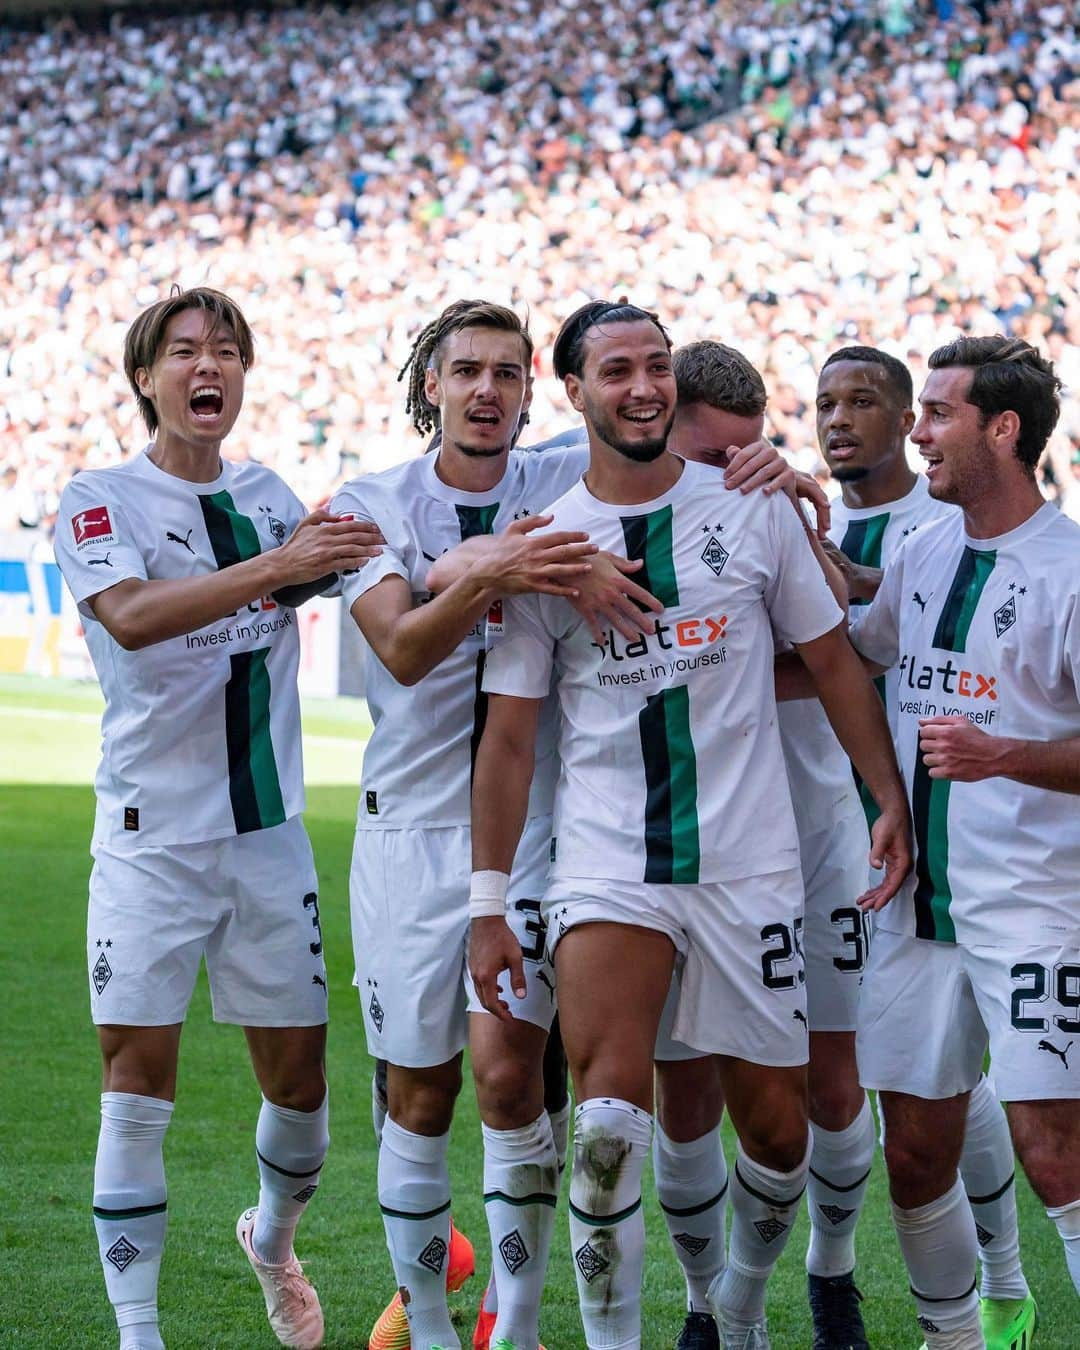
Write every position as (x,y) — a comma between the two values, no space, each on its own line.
(425,352)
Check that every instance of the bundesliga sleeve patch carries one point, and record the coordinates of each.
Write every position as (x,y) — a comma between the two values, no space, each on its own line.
(93,526)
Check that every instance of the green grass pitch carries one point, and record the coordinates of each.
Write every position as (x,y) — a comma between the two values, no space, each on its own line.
(52,1291)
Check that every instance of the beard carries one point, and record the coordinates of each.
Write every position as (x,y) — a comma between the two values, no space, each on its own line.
(849,473)
(479,451)
(638,452)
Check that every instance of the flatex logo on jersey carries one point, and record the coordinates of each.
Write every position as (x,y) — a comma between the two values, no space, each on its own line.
(93,526)
(962,693)
(701,638)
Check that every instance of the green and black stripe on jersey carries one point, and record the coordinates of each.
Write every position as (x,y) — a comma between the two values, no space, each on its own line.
(862,544)
(930,796)
(473,521)
(672,844)
(254,786)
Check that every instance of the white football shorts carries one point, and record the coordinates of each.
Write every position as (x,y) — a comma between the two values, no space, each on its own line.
(248,903)
(409,900)
(741,990)
(929,1010)
(836,933)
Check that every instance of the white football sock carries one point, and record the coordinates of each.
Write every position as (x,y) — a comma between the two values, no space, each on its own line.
(414,1196)
(939,1248)
(1067,1221)
(291,1149)
(987,1167)
(521,1189)
(607,1229)
(692,1185)
(129,1209)
(764,1206)
(840,1162)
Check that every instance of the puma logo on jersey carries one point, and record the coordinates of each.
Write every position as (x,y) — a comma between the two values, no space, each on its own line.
(175,539)
(799,1016)
(921,602)
(100,562)
(318,979)
(1052,1049)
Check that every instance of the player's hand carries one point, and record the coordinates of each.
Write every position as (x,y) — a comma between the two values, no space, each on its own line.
(862,582)
(757,465)
(954,748)
(323,543)
(521,561)
(808,489)
(890,848)
(607,598)
(492,949)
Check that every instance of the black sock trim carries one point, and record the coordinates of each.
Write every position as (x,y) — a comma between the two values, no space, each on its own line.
(406,1214)
(138,1212)
(768,1199)
(537,1198)
(691,1210)
(840,1189)
(604,1220)
(995,1195)
(952,1298)
(284,1171)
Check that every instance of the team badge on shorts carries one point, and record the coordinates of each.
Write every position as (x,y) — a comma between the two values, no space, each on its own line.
(375,1008)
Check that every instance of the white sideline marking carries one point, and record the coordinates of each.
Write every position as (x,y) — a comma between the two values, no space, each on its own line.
(59,715)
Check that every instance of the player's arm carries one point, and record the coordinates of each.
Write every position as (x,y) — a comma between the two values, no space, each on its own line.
(857,716)
(502,776)
(411,640)
(954,748)
(137,612)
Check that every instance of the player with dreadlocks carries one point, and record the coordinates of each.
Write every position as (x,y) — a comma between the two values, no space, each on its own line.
(469,376)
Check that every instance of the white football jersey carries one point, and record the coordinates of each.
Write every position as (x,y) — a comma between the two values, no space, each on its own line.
(671,768)
(418,764)
(201,733)
(823,782)
(988,629)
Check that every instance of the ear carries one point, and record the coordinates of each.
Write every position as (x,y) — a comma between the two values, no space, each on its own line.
(907,421)
(575,393)
(1006,429)
(432,387)
(145,382)
(526,402)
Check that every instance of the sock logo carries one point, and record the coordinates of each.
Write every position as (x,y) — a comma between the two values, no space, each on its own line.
(513,1251)
(302,1197)
(984,1235)
(835,1214)
(122,1253)
(690,1243)
(925,1324)
(434,1255)
(590,1262)
(770,1229)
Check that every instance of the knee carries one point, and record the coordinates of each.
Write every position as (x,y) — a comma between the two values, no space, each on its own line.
(1053,1171)
(301,1090)
(423,1104)
(509,1091)
(918,1174)
(778,1140)
(834,1103)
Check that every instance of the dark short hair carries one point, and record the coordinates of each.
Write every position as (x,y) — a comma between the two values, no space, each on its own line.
(1009,376)
(568,354)
(898,373)
(709,372)
(146,336)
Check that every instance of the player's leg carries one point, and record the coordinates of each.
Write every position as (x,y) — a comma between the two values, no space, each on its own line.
(1030,1000)
(138,1089)
(690,1171)
(409,924)
(987,1168)
(743,998)
(921,1043)
(267,973)
(147,925)
(609,1027)
(836,940)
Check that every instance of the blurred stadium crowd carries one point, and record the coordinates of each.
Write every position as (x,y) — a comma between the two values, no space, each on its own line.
(784,175)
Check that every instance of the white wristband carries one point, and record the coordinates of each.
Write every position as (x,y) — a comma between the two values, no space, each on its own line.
(487,894)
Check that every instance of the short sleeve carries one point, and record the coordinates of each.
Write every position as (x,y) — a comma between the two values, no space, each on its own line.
(875,628)
(521,664)
(801,606)
(351,500)
(94,543)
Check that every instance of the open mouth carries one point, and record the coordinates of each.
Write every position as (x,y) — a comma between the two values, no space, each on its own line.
(485,417)
(841,449)
(207,402)
(642,417)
